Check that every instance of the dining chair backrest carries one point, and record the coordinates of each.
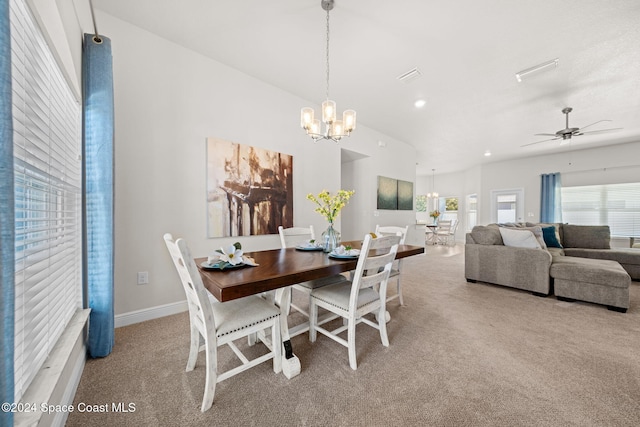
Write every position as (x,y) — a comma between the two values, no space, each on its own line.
(444,226)
(289,237)
(200,312)
(374,264)
(392,229)
(454,226)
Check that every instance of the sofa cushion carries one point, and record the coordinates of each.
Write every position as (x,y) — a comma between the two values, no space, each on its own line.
(519,238)
(597,271)
(555,252)
(621,255)
(486,235)
(586,236)
(550,237)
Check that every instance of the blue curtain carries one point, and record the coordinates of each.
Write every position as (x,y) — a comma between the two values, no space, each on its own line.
(7,233)
(97,88)
(550,206)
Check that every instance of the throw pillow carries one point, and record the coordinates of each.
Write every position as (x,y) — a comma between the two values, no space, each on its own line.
(557,225)
(586,236)
(486,235)
(519,238)
(537,231)
(550,237)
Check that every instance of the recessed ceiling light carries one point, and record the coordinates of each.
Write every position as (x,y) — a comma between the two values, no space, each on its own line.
(420,103)
(487,153)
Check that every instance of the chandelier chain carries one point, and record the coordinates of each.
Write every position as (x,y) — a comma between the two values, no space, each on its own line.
(327,54)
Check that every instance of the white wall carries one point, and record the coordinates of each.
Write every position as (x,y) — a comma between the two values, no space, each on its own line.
(612,164)
(361,215)
(168,100)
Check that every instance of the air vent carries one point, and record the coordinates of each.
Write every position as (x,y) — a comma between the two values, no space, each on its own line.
(410,75)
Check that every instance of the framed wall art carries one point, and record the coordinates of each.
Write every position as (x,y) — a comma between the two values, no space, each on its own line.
(394,194)
(387,193)
(405,195)
(249,189)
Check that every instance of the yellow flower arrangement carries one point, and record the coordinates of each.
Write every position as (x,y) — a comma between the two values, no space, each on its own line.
(330,206)
(434,214)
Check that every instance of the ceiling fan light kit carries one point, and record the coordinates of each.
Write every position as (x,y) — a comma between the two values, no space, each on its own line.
(537,68)
(334,129)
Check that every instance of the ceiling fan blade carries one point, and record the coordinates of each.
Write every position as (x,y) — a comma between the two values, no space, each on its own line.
(538,142)
(594,132)
(545,134)
(595,123)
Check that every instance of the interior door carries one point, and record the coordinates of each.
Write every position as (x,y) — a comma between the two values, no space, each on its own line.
(507,205)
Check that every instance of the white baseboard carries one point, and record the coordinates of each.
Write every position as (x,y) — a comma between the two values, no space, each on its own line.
(151,313)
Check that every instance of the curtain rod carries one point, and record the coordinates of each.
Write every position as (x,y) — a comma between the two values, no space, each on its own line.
(603,169)
(96,38)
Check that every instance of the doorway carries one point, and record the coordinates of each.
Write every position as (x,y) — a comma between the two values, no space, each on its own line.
(507,205)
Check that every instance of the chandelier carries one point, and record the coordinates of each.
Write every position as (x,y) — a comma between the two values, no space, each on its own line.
(333,129)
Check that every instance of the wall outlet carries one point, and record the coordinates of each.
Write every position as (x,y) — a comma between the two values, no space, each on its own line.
(376,213)
(143,277)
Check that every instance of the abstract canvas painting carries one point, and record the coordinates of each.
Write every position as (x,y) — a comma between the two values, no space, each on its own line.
(387,193)
(405,195)
(249,189)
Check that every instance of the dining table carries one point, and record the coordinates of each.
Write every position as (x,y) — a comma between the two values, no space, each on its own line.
(276,271)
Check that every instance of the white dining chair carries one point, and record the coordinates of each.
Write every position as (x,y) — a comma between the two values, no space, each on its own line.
(397,264)
(217,323)
(353,300)
(443,231)
(446,232)
(290,237)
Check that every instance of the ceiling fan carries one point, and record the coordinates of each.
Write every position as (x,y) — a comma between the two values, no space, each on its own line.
(566,133)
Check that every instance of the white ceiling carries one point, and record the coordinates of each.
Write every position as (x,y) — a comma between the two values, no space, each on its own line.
(467,50)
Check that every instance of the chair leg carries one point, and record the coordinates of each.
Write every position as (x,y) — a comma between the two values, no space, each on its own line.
(399,290)
(194,348)
(313,320)
(382,325)
(351,340)
(211,375)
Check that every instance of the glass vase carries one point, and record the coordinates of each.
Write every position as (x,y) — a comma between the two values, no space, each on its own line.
(330,238)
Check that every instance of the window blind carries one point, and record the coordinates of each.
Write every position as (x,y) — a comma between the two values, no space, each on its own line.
(615,205)
(47,169)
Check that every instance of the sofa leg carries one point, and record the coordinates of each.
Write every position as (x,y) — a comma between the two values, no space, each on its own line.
(565,299)
(471,281)
(540,294)
(618,309)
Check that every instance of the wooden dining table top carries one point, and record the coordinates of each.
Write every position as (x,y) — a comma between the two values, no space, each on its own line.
(281,267)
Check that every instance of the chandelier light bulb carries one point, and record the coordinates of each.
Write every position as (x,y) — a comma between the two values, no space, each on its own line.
(328,111)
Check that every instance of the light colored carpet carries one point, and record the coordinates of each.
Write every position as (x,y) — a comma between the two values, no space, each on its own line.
(461,354)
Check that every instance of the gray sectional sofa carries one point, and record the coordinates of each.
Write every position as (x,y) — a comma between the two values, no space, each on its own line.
(573,262)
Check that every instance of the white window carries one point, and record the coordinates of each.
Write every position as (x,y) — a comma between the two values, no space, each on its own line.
(615,205)
(448,207)
(47,168)
(472,211)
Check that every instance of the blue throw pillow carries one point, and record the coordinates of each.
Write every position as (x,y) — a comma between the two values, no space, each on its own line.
(549,236)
